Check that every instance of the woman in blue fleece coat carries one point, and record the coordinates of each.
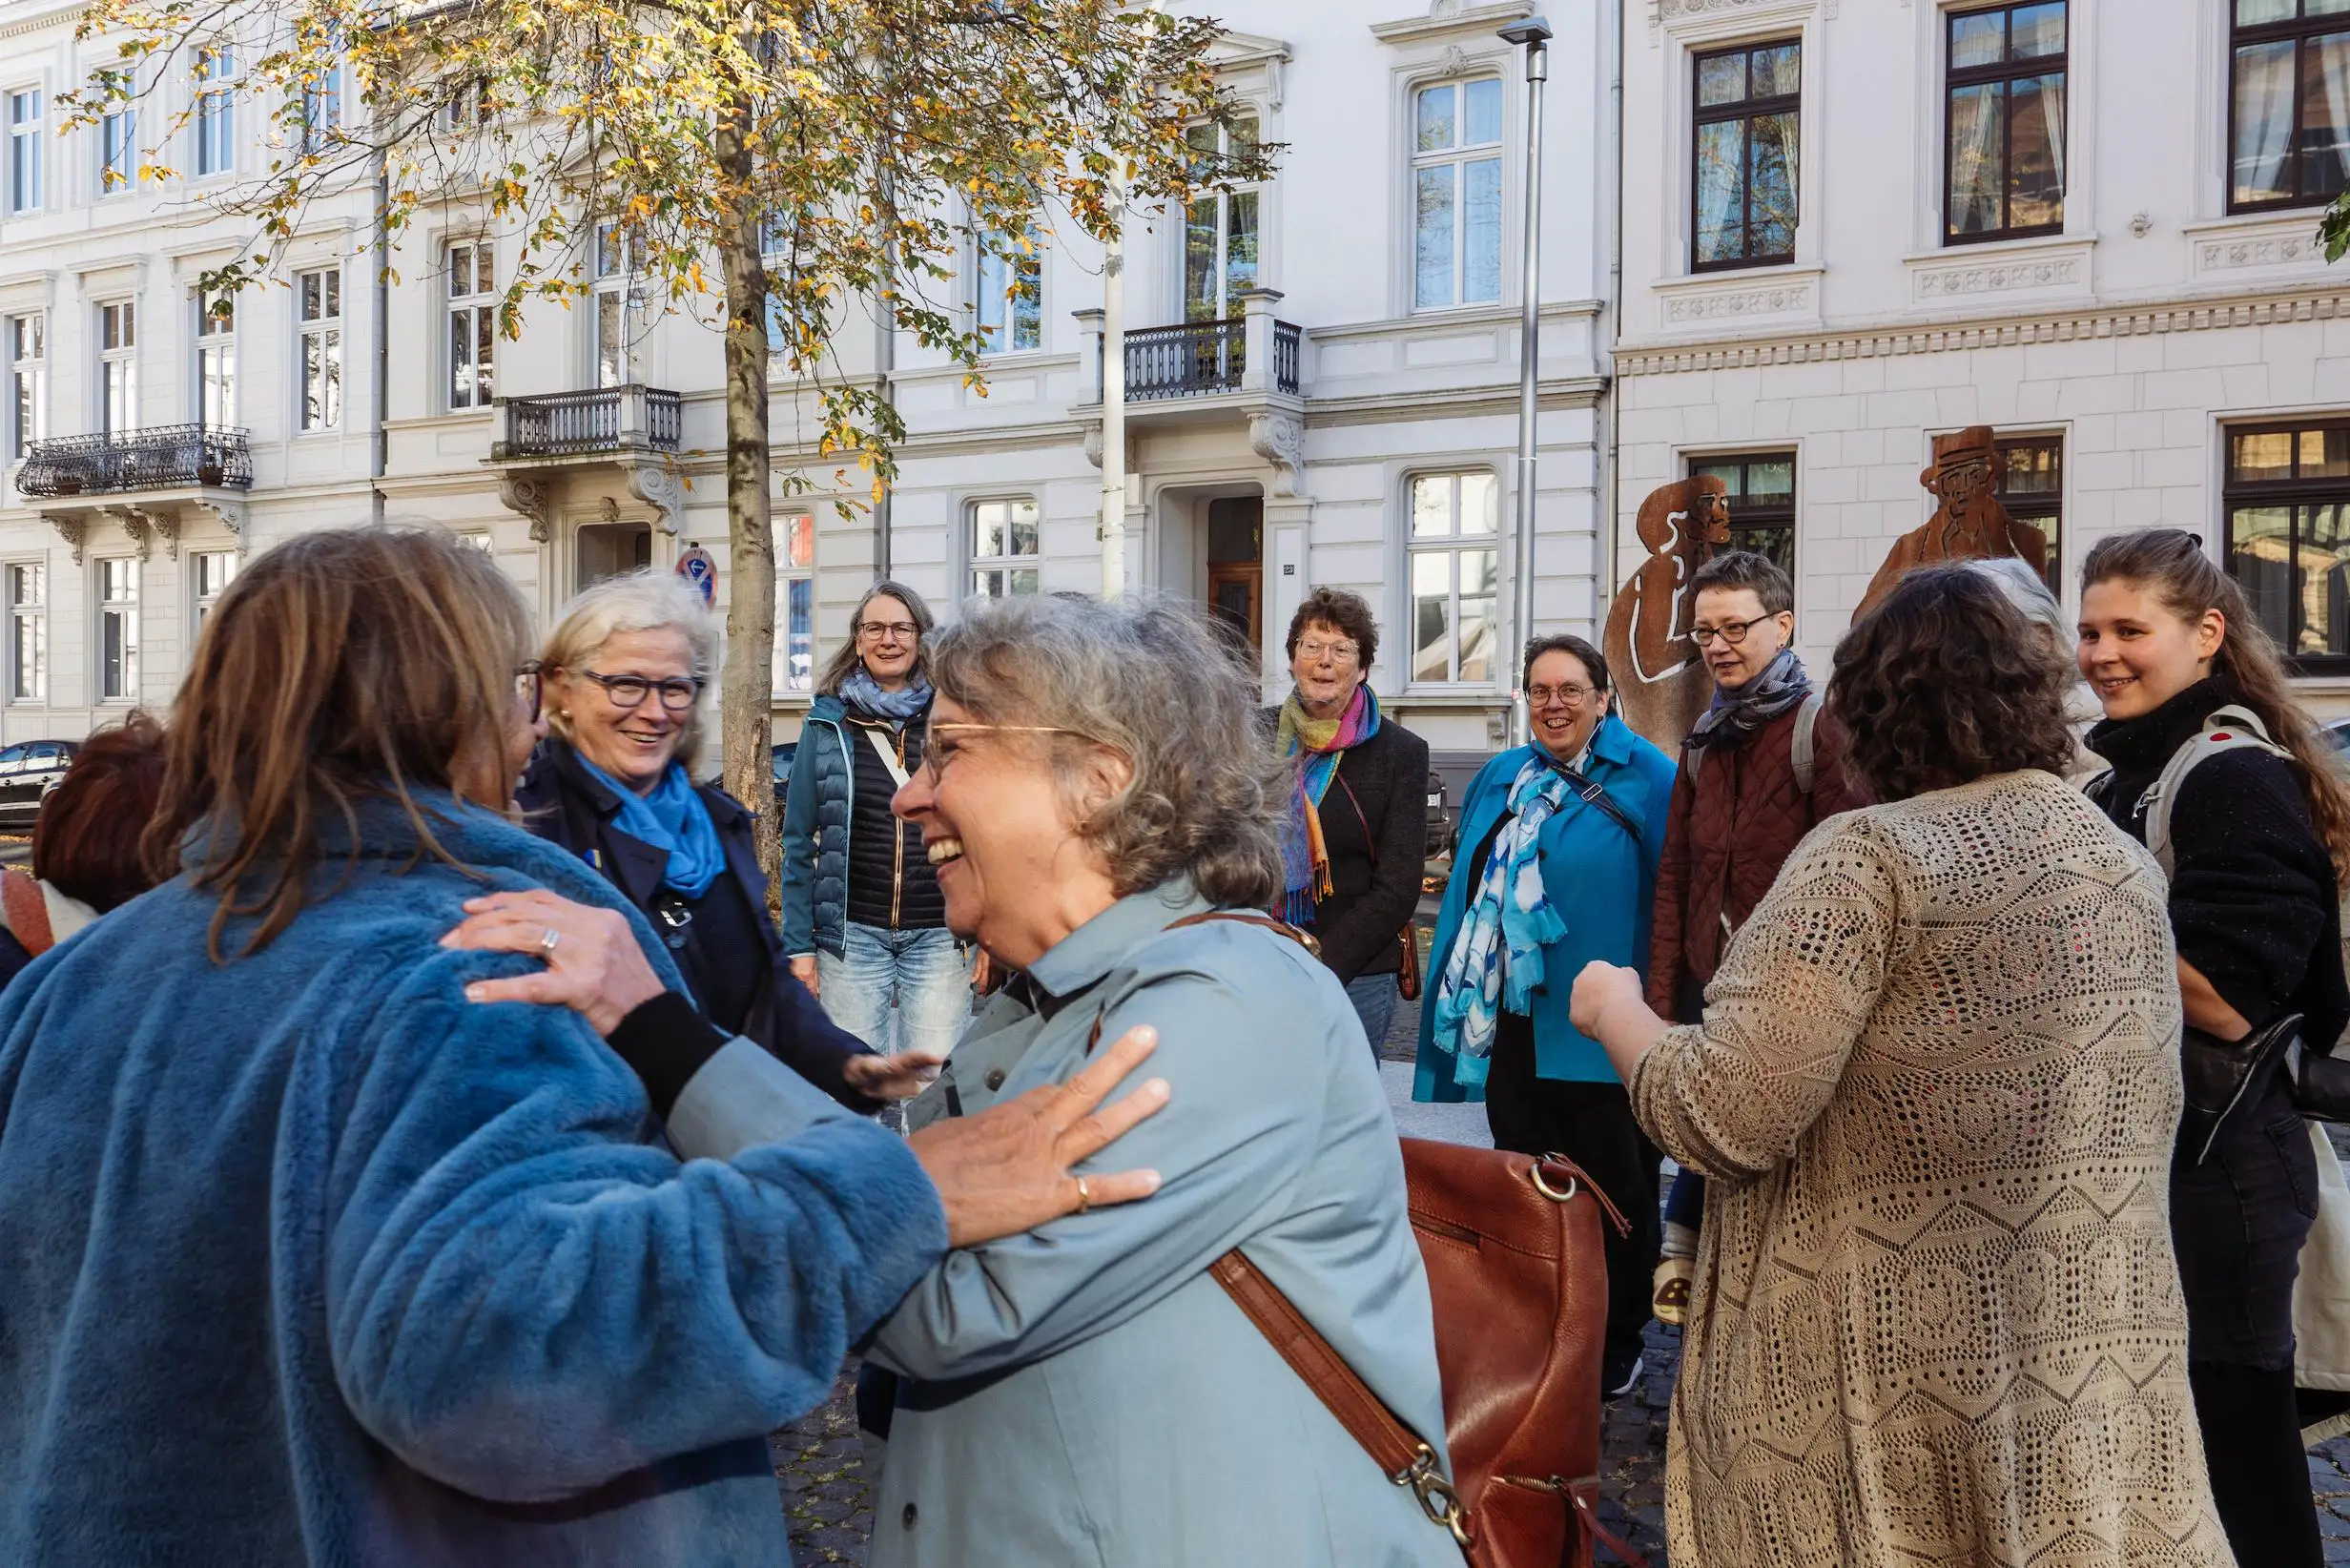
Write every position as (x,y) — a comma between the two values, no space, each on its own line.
(313,1261)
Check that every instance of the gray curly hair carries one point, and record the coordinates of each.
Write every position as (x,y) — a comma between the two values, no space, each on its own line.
(1149,681)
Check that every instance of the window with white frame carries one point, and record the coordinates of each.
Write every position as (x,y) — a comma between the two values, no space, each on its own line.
(620,305)
(27,406)
(118,365)
(1219,230)
(323,110)
(1010,297)
(28,650)
(473,321)
(209,572)
(118,151)
(795,657)
(468,105)
(1003,547)
(1454,570)
(1456,193)
(215,359)
(319,305)
(117,628)
(26,123)
(216,112)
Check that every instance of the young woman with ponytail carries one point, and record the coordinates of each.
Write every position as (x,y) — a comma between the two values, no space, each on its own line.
(2262,845)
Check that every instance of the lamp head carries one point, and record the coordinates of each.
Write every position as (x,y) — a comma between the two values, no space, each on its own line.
(1530,29)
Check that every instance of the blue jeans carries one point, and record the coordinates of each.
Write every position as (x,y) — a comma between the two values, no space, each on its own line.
(916,978)
(1374,1002)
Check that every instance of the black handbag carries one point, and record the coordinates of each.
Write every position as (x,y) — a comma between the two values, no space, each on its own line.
(2222,1076)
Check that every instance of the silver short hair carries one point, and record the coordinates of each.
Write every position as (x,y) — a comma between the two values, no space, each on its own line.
(2025,589)
(649,600)
(1151,681)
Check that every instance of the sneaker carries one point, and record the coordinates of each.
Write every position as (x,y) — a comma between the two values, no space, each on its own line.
(1671,1301)
(1616,1382)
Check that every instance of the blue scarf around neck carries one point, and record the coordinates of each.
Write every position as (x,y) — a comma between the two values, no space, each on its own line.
(671,819)
(863,695)
(1734,716)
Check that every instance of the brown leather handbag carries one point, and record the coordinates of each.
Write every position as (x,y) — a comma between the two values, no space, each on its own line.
(1519,1285)
(1518,1280)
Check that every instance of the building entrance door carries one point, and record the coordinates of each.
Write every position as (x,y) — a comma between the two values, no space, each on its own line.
(1236,564)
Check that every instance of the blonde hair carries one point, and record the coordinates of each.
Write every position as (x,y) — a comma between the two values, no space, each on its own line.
(636,601)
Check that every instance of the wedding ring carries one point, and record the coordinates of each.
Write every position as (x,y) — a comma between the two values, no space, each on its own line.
(1085,1198)
(547,943)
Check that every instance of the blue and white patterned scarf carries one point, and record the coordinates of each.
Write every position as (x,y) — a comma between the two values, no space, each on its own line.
(1497,961)
(863,695)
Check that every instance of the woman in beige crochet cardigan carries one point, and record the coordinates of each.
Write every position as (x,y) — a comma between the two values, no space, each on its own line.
(1937,1318)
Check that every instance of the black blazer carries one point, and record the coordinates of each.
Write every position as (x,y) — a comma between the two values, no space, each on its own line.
(1375,823)
(564,805)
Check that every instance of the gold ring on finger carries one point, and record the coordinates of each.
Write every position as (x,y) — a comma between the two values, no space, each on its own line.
(1085,1198)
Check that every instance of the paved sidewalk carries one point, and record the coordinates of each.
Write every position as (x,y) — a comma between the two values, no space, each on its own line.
(827,1494)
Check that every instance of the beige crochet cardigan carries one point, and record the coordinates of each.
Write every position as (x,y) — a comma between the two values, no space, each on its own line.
(1937,1318)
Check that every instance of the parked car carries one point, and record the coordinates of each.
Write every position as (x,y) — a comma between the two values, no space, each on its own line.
(780,761)
(2339,733)
(29,770)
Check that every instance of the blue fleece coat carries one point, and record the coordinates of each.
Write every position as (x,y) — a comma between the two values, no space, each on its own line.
(1601,879)
(312,1260)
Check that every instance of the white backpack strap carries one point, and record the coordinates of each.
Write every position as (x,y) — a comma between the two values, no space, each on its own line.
(1807,721)
(2224,730)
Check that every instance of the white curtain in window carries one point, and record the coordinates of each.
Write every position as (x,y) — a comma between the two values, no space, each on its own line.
(2052,106)
(2263,120)
(2334,68)
(1976,174)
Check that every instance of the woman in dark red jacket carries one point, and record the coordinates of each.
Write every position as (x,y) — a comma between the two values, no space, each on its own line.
(1739,809)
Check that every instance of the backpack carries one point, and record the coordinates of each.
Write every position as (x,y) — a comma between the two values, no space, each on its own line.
(1800,753)
(2228,729)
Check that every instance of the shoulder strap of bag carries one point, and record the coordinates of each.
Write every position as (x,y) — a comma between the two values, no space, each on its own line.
(889,758)
(2228,729)
(1592,794)
(1806,721)
(27,912)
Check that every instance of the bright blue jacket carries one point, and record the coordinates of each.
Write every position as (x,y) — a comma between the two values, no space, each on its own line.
(1599,878)
(310,1261)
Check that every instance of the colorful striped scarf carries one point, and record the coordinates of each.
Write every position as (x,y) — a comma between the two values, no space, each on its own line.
(1497,960)
(1317,744)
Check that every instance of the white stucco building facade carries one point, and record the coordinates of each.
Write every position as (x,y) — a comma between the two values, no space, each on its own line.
(2088,226)
(1325,393)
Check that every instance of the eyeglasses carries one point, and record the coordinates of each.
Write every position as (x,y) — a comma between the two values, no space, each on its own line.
(677,694)
(939,747)
(1734,633)
(1566,696)
(1340,651)
(530,683)
(905,632)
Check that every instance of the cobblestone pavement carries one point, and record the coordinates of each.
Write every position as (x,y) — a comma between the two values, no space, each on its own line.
(827,1494)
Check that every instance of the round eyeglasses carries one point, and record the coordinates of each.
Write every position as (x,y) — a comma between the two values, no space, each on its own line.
(677,694)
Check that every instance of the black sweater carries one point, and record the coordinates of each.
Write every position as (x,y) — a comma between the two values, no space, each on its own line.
(1374,824)
(2253,900)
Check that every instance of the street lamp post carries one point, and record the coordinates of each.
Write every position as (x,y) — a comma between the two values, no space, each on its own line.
(1534,34)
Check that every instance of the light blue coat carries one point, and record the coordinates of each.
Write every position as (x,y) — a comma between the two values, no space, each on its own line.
(1601,879)
(312,1262)
(1085,1394)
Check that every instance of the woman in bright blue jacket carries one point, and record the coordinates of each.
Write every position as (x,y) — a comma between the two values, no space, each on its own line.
(1556,866)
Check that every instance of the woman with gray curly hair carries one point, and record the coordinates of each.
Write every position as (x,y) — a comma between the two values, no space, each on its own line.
(1105,822)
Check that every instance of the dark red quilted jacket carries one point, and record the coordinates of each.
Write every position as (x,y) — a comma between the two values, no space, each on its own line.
(1725,839)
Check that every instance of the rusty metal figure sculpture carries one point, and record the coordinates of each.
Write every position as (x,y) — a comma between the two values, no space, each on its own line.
(1661,685)
(1969,525)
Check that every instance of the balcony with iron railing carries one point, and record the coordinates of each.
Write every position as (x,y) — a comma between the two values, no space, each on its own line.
(601,419)
(167,457)
(1196,358)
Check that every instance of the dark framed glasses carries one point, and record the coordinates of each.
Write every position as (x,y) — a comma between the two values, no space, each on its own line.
(677,694)
(531,686)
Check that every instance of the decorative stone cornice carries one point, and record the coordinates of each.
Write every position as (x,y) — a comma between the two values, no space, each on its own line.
(1665,14)
(1450,16)
(2075,326)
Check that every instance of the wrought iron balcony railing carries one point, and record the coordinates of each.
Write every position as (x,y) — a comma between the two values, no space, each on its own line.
(164,456)
(1198,357)
(602,419)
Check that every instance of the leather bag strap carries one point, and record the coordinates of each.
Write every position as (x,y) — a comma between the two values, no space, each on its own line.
(27,912)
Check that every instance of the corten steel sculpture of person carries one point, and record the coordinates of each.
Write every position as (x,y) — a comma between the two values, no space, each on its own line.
(324,1245)
(1970,523)
(1661,683)
(625,670)
(1936,1316)
(861,912)
(2260,843)
(1356,844)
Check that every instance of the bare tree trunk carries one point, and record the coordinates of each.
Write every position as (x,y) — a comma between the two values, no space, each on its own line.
(745,686)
